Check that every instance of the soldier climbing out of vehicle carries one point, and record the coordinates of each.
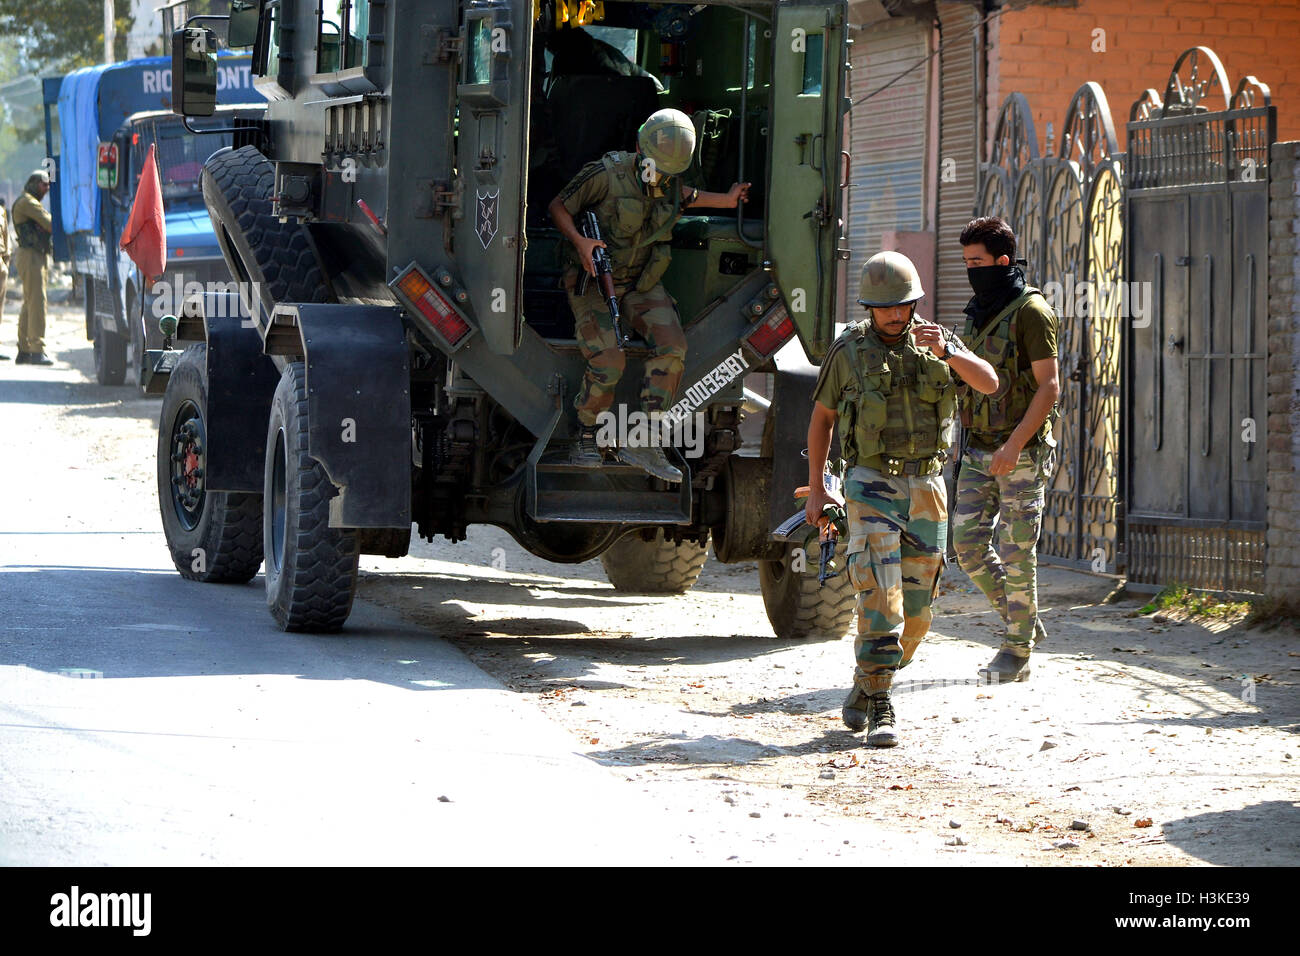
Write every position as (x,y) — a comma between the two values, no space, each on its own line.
(637,198)
(889,383)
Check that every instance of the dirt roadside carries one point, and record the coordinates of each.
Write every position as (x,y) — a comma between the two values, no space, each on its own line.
(692,698)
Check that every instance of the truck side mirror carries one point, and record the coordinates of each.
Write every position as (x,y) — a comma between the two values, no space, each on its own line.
(194,72)
(244,18)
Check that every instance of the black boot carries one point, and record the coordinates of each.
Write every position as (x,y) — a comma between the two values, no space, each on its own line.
(585,453)
(652,461)
(880,721)
(38,358)
(855,710)
(1006,666)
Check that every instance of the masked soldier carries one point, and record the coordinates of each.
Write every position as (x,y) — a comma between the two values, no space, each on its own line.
(637,198)
(34,228)
(888,382)
(1009,448)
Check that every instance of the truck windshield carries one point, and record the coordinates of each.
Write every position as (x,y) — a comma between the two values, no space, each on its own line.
(181,156)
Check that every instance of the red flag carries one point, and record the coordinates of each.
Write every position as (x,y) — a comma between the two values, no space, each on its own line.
(145,235)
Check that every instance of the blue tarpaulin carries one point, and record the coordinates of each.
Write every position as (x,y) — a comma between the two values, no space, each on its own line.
(79,142)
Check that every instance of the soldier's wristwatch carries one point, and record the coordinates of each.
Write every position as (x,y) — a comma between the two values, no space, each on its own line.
(952,344)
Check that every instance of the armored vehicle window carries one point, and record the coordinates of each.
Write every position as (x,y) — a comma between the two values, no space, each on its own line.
(812,65)
(341,36)
(478,53)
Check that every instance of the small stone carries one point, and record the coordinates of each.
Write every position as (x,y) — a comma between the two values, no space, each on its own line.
(954,824)
(579,703)
(1047,745)
(827,775)
(1080,825)
(444,799)
(1122,811)
(955,841)
(956,720)
(755,814)
(1151,731)
(1066,845)
(730,800)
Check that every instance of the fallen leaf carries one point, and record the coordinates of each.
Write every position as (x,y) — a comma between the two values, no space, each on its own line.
(1142,822)
(594,740)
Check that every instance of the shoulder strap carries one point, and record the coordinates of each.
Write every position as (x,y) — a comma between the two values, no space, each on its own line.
(1014,306)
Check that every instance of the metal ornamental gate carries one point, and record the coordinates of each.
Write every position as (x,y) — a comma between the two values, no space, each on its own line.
(1197,215)
(1065,209)
(1157,263)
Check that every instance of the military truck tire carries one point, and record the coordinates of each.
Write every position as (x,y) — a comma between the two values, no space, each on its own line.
(258,247)
(213,536)
(110,357)
(798,608)
(311,568)
(653,567)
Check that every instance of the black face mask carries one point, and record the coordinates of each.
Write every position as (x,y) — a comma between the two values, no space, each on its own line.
(990,282)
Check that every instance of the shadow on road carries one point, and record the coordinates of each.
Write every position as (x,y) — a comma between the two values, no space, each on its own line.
(140,623)
(1261,834)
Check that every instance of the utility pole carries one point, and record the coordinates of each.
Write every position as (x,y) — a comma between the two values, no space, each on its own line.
(109,32)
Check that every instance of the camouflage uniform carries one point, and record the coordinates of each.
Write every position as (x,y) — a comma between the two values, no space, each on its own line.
(636,221)
(898,523)
(1023,332)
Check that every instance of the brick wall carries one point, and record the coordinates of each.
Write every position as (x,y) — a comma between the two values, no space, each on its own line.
(1282,573)
(1046,53)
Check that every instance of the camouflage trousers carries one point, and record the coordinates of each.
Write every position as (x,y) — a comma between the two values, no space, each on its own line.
(650,314)
(1008,572)
(898,539)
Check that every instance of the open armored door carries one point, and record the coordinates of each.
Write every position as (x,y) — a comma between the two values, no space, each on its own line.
(804,219)
(492,160)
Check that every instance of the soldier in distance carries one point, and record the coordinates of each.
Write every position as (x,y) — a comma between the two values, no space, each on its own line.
(637,198)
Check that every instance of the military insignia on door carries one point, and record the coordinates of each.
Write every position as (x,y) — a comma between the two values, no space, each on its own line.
(486,220)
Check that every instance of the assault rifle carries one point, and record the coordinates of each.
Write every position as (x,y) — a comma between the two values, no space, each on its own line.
(590,228)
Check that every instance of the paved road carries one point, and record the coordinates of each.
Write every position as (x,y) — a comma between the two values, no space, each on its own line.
(145,719)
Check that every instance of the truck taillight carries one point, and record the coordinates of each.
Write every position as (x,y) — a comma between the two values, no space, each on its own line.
(772,332)
(424,298)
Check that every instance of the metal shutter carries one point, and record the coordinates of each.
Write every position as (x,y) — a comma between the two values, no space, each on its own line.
(960,122)
(887,140)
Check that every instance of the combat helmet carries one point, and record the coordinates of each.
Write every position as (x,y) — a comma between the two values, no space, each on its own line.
(668,138)
(889,278)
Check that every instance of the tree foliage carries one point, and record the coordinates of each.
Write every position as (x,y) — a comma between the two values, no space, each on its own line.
(57,35)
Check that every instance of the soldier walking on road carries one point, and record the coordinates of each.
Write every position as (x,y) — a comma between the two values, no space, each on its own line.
(1009,449)
(35,228)
(889,384)
(637,199)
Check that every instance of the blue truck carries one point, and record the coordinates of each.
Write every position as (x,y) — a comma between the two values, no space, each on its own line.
(99,124)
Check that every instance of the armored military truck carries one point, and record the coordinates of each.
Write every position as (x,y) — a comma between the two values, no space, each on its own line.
(404,354)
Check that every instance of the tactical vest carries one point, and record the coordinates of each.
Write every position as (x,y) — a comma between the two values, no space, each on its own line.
(32,236)
(996,416)
(902,407)
(637,226)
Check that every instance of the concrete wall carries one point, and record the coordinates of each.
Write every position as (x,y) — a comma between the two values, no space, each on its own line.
(1282,573)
